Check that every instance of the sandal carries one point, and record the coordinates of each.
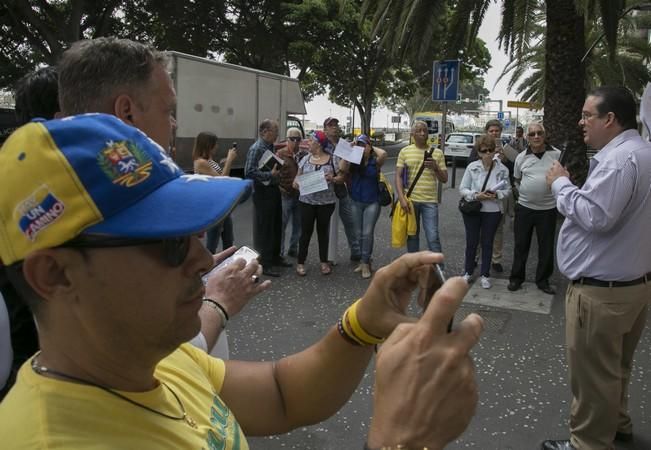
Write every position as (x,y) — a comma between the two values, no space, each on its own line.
(326,269)
(300,270)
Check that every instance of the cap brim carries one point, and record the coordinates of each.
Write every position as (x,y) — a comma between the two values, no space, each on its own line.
(184,206)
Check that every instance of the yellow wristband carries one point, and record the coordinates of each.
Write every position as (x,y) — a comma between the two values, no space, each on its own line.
(357,329)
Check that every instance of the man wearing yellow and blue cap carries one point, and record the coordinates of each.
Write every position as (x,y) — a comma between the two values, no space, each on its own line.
(99,235)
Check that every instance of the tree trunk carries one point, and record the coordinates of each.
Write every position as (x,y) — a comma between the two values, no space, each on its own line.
(365,116)
(564,84)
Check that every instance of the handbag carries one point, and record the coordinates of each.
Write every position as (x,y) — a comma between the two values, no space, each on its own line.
(385,192)
(341,190)
(473,207)
(413,184)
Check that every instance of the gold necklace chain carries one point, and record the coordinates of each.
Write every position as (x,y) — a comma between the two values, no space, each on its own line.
(42,370)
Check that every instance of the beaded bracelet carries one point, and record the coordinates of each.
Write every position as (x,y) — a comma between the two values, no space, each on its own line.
(219,309)
(351,330)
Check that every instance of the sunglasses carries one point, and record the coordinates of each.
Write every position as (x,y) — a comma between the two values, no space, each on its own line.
(536,133)
(486,150)
(175,250)
(295,138)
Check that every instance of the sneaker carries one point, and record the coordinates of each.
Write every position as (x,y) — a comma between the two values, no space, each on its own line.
(467,277)
(485,282)
(358,269)
(366,270)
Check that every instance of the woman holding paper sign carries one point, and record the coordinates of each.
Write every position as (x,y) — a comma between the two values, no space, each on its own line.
(485,180)
(315,204)
(365,195)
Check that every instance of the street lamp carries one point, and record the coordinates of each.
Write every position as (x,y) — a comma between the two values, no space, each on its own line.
(639,7)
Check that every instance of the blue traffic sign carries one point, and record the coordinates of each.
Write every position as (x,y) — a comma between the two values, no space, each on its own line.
(445,80)
(500,115)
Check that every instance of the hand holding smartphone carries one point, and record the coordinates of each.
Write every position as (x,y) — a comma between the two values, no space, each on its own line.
(243,252)
(435,279)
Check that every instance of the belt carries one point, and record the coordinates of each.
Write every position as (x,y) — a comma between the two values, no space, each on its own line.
(601,283)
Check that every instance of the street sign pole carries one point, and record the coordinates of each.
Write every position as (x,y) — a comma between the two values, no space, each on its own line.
(445,88)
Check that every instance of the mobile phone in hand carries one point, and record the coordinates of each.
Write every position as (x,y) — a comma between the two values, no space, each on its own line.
(435,279)
(243,252)
(234,145)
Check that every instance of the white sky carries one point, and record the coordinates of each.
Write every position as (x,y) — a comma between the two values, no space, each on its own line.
(320,108)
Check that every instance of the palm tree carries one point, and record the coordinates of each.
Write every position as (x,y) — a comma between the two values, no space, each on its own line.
(629,67)
(400,22)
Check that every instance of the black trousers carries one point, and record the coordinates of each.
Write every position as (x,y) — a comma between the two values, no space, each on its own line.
(267,223)
(321,215)
(485,225)
(526,221)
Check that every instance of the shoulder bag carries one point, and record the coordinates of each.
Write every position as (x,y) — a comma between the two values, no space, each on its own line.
(341,190)
(473,207)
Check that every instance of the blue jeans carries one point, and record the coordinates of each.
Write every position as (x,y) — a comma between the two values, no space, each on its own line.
(427,214)
(365,216)
(346,216)
(225,229)
(290,211)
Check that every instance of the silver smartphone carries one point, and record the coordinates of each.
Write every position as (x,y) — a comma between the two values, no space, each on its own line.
(244,252)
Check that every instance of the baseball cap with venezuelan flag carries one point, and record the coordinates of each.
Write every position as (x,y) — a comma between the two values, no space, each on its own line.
(94,174)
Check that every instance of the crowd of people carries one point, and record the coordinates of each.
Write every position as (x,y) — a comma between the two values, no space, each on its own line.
(102,246)
(99,239)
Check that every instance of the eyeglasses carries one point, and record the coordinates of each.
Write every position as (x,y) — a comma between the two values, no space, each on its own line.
(486,150)
(536,133)
(175,250)
(588,115)
(295,138)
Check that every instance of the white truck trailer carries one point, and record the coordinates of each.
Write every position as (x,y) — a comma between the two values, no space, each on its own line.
(230,101)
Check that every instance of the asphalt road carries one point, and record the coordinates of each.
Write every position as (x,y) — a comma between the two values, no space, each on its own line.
(520,360)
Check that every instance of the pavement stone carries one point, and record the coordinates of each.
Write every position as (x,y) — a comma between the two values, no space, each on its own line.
(520,359)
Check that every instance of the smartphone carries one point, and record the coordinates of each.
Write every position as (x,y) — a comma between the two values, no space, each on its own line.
(435,279)
(234,144)
(243,252)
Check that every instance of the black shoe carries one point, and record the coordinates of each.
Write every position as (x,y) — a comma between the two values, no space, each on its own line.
(546,288)
(497,267)
(282,262)
(623,437)
(270,273)
(514,285)
(292,253)
(557,445)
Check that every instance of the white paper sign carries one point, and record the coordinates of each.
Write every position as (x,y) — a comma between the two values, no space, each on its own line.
(346,151)
(312,182)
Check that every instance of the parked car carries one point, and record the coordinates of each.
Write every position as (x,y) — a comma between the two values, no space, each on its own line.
(459,145)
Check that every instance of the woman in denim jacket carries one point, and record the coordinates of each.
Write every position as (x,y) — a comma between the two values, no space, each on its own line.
(485,223)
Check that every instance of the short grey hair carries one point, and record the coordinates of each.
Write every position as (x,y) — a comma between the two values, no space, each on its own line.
(537,125)
(267,124)
(294,131)
(92,73)
(418,123)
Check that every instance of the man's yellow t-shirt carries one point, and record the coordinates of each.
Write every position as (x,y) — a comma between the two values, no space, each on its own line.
(45,413)
(426,189)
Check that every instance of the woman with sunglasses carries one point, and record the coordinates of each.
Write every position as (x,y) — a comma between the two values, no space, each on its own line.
(317,206)
(205,148)
(365,196)
(485,180)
